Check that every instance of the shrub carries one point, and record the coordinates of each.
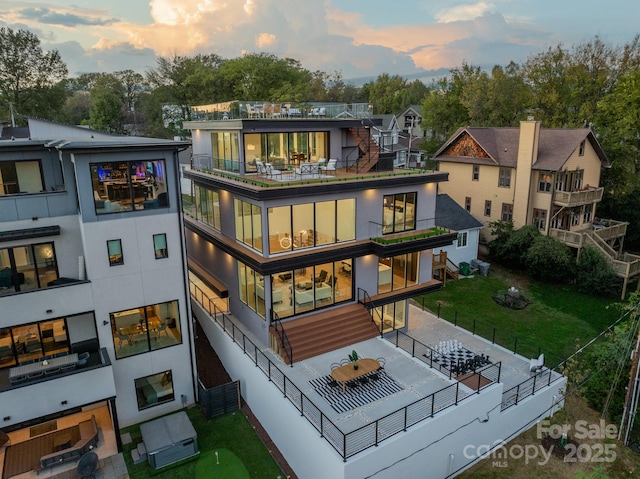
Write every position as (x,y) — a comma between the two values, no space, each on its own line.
(502,230)
(549,260)
(519,243)
(594,274)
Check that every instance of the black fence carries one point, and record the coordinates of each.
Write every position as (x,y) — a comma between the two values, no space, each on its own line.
(369,435)
(219,400)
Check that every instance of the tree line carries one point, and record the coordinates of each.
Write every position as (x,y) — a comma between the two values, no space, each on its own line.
(589,84)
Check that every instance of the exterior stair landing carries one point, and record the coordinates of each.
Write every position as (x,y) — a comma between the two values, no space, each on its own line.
(325,331)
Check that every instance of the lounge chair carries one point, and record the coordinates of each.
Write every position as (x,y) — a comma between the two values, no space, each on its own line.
(271,171)
(330,166)
(536,364)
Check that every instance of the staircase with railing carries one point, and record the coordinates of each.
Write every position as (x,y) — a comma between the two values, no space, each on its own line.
(447,268)
(368,148)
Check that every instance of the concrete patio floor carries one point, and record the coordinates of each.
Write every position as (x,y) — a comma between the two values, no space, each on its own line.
(415,377)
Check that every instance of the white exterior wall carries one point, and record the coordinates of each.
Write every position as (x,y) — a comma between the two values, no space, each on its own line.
(140,281)
(464,253)
(422,451)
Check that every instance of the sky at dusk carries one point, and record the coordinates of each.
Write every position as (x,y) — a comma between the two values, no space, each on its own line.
(359,38)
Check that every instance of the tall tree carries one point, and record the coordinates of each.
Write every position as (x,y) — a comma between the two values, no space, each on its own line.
(108,105)
(30,78)
(385,93)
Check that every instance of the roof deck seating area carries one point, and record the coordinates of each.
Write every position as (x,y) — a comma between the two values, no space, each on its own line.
(88,440)
(307,169)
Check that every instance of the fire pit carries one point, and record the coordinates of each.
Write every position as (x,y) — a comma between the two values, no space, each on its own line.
(512,298)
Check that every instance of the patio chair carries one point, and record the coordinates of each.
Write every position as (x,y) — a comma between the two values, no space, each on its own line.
(334,366)
(382,362)
(262,170)
(536,364)
(35,374)
(271,171)
(330,166)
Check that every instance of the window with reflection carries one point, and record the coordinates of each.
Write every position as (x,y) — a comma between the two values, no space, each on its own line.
(114,249)
(399,213)
(30,342)
(252,289)
(23,176)
(248,224)
(28,267)
(144,329)
(397,272)
(284,149)
(308,225)
(129,186)
(224,150)
(154,389)
(160,246)
(392,316)
(207,206)
(305,289)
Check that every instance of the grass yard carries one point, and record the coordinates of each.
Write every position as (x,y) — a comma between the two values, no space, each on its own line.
(231,435)
(556,317)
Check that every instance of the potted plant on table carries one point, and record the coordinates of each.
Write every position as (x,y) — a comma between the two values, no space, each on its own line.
(353,357)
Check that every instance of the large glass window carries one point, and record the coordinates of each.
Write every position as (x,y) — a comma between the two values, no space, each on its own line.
(29,342)
(20,177)
(284,149)
(224,150)
(393,315)
(311,224)
(306,289)
(252,289)
(145,329)
(24,268)
(397,272)
(249,224)
(208,206)
(154,389)
(129,186)
(399,213)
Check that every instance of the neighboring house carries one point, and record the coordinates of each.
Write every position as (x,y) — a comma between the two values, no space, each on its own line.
(391,139)
(451,215)
(409,121)
(92,263)
(314,260)
(548,177)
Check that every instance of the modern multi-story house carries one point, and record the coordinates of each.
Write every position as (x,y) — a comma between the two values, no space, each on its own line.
(547,177)
(94,310)
(304,242)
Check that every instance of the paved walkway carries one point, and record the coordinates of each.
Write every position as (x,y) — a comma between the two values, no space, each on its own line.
(110,468)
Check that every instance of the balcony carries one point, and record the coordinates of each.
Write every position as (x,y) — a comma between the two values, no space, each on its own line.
(425,236)
(59,392)
(569,199)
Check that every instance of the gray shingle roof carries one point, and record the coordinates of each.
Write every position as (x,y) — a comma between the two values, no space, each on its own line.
(501,144)
(450,214)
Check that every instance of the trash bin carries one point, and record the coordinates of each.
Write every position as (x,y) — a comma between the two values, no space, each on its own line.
(464,268)
(484,268)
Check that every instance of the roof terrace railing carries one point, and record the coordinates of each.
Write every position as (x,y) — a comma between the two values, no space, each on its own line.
(371,434)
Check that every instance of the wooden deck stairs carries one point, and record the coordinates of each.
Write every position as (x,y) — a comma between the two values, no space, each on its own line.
(369,150)
(325,331)
(444,268)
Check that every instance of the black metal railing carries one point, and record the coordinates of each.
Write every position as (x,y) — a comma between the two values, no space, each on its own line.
(276,324)
(365,299)
(358,440)
(528,387)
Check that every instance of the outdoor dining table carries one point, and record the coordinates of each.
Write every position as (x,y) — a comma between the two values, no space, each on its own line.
(346,373)
(53,363)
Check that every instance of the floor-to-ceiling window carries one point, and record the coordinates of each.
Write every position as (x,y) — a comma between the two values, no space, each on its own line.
(252,289)
(224,150)
(308,225)
(397,272)
(399,213)
(305,289)
(28,267)
(249,224)
(284,149)
(207,206)
(393,315)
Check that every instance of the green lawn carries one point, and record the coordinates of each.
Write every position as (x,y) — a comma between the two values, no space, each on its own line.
(556,316)
(231,432)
